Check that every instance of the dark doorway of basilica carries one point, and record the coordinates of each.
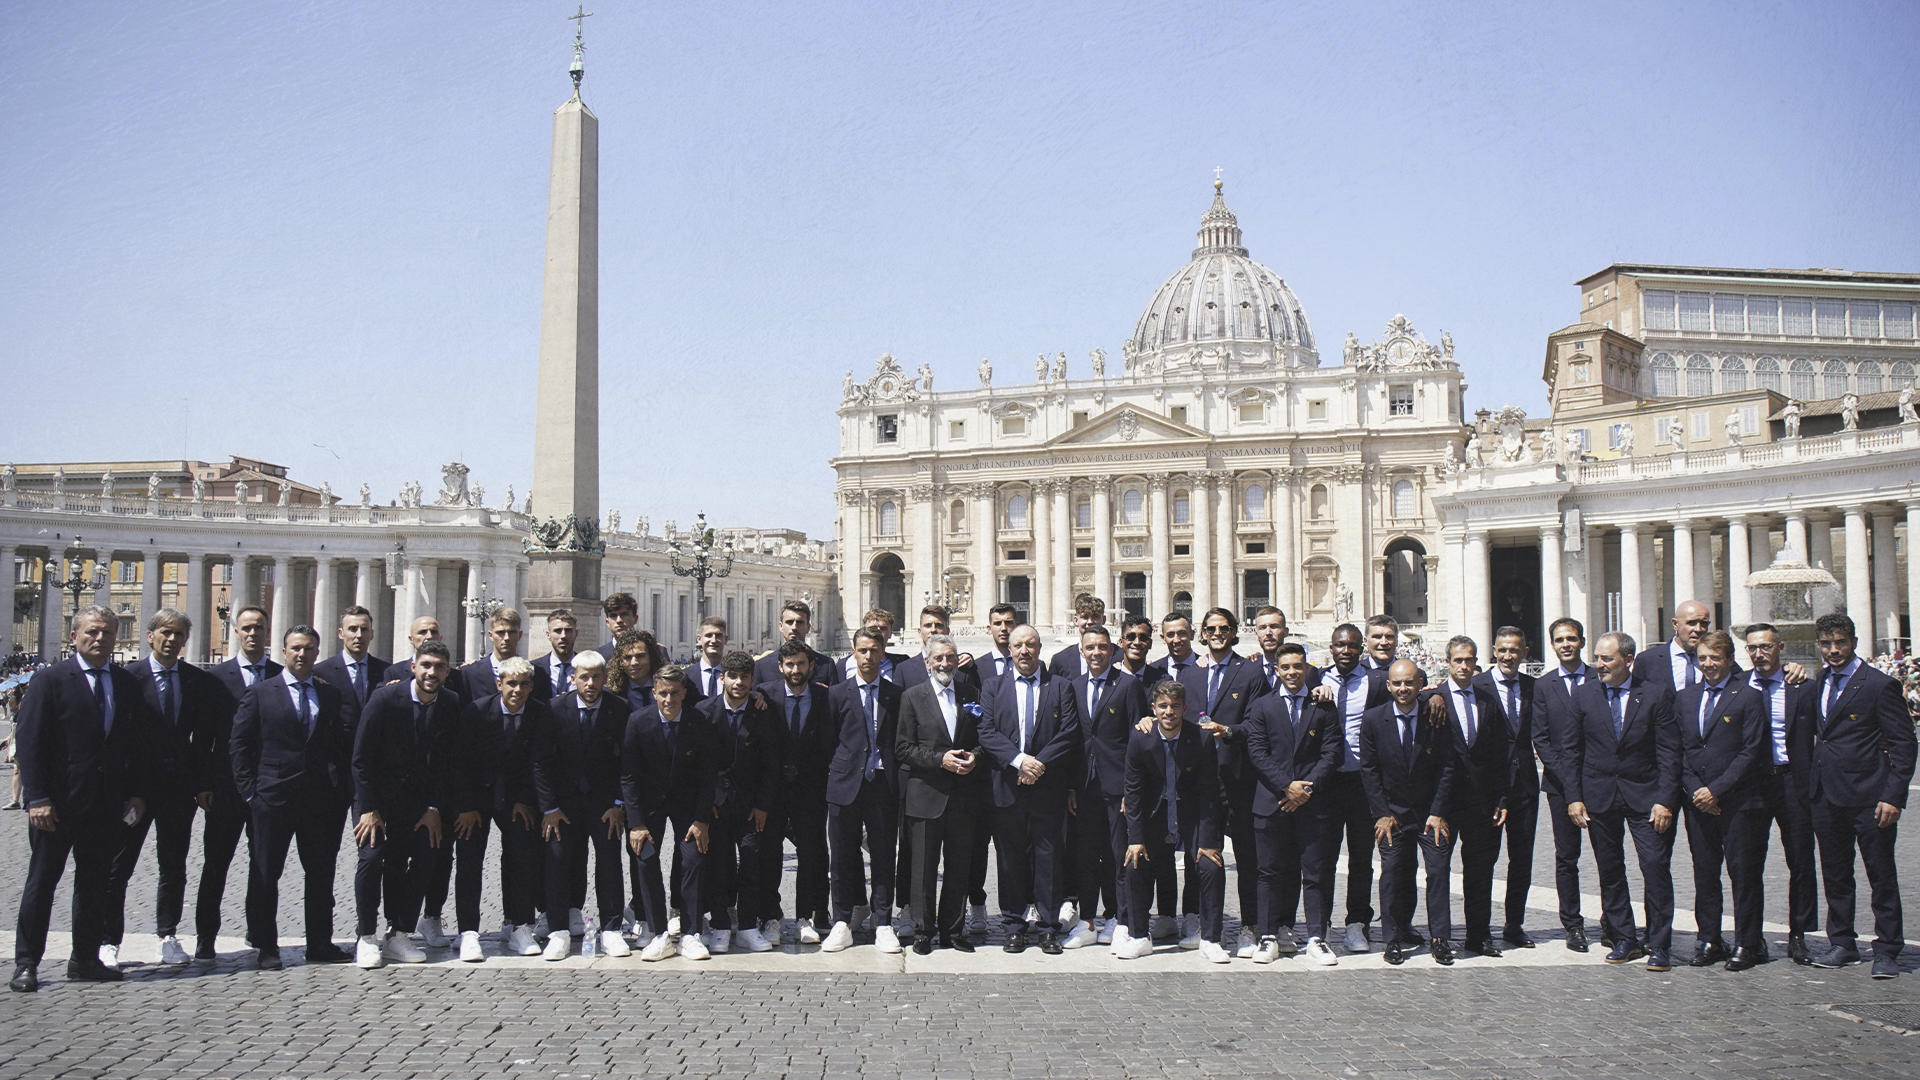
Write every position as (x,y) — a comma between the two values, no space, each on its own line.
(1514,598)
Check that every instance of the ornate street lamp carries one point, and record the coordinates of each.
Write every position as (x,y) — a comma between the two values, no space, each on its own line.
(75,582)
(482,606)
(699,553)
(948,595)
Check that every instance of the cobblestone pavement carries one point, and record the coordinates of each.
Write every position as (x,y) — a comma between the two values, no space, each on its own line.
(800,1013)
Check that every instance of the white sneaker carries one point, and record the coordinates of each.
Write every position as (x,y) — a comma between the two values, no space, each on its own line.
(1161,927)
(366,953)
(770,930)
(809,933)
(576,922)
(693,948)
(1128,947)
(1190,932)
(1320,954)
(110,956)
(520,942)
(400,949)
(559,945)
(659,948)
(885,939)
(719,941)
(1267,951)
(431,932)
(171,952)
(1357,937)
(862,917)
(1105,936)
(1069,913)
(614,943)
(977,918)
(839,938)
(1080,936)
(470,951)
(1213,953)
(753,941)
(1247,944)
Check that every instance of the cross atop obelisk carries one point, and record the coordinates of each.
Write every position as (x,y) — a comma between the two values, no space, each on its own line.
(564,542)
(579,68)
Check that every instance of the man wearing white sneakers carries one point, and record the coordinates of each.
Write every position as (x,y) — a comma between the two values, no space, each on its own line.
(576,775)
(1173,804)
(667,783)
(496,784)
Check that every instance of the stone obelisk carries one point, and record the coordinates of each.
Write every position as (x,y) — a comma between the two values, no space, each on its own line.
(564,545)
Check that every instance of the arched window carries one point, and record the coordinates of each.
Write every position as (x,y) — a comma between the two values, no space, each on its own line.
(1699,376)
(1403,500)
(1800,379)
(1666,377)
(1404,584)
(1902,376)
(1833,379)
(1867,377)
(889,518)
(1767,373)
(1130,507)
(1317,502)
(1733,375)
(1083,512)
(1253,503)
(1182,508)
(957,517)
(1017,512)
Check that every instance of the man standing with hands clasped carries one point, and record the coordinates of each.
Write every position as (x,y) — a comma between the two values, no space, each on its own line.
(1407,769)
(945,795)
(1173,804)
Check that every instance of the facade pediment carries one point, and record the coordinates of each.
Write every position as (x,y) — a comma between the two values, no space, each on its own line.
(1125,424)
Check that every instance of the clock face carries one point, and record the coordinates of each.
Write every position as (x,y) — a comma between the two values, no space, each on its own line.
(1579,373)
(1398,352)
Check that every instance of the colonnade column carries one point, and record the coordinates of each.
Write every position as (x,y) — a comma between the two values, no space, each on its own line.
(279,569)
(240,592)
(1160,547)
(1200,514)
(1226,584)
(1478,608)
(1553,583)
(1739,565)
(925,545)
(1283,557)
(200,641)
(1040,515)
(853,564)
(1684,586)
(363,586)
(1703,564)
(1063,552)
(476,622)
(7,573)
(150,567)
(1796,536)
(103,560)
(986,587)
(326,606)
(1886,584)
(1632,617)
(1103,543)
(1859,578)
(1913,571)
(1820,539)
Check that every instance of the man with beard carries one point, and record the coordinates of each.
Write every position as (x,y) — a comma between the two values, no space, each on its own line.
(944,800)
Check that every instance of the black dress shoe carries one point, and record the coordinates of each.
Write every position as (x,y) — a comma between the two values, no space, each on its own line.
(1050,944)
(1442,952)
(1516,937)
(26,979)
(1708,953)
(1484,948)
(90,969)
(1016,943)
(1659,960)
(267,961)
(923,946)
(1411,939)
(203,949)
(1625,952)
(957,943)
(1607,940)
(1396,954)
(328,953)
(1797,949)
(1742,959)
(1577,939)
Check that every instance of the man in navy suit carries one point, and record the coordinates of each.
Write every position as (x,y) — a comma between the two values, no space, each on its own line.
(1623,773)
(879,619)
(292,747)
(1477,800)
(433,897)
(422,629)
(809,734)
(562,635)
(503,635)
(1030,740)
(1512,689)
(1723,729)
(1353,690)
(1857,740)
(1556,718)
(576,774)
(496,784)
(936,619)
(863,804)
(1673,665)
(184,700)
(667,780)
(620,612)
(944,799)
(85,754)
(744,736)
(1269,633)
(403,775)
(709,652)
(355,667)
(1111,703)
(1407,767)
(796,622)
(1383,643)
(1783,786)
(1134,643)
(1088,611)
(1173,804)
(1293,745)
(1223,691)
(228,815)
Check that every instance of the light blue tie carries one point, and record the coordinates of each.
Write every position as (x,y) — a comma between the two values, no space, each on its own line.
(1026,714)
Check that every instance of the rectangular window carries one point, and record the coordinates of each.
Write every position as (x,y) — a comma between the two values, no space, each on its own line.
(1584,438)
(1178,414)
(1796,316)
(1763,315)
(957,430)
(1079,417)
(1616,434)
(1083,515)
(1830,318)
(1701,426)
(1400,399)
(1657,310)
(1863,318)
(1182,549)
(1317,410)
(1013,425)
(1749,420)
(889,427)
(1256,547)
(1729,313)
(1695,311)
(1897,320)
(1083,553)
(1252,412)
(1016,554)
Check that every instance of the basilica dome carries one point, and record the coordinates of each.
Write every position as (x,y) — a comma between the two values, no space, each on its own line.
(1222,306)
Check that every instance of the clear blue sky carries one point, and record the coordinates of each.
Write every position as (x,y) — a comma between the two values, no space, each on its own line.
(312,232)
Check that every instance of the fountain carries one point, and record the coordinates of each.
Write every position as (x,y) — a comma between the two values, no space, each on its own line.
(1790,595)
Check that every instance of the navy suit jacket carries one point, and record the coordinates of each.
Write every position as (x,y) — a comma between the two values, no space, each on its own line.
(1729,761)
(218,759)
(846,772)
(1105,732)
(1654,666)
(1055,742)
(1410,792)
(496,770)
(1864,752)
(1637,770)
(543,678)
(402,764)
(766,668)
(180,747)
(1523,776)
(482,680)
(575,770)
(746,765)
(66,755)
(804,754)
(1067,662)
(1482,770)
(913,671)
(277,761)
(658,777)
(1242,683)
(1279,756)
(334,670)
(1556,718)
(922,742)
(1197,787)
(402,671)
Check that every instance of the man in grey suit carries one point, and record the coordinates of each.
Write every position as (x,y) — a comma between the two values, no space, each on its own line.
(937,741)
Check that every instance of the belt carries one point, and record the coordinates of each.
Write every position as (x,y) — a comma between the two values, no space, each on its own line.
(1779,770)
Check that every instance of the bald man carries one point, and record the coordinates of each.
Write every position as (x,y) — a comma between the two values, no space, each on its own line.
(1674,665)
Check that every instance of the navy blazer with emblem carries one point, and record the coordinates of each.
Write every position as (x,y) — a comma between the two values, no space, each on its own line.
(1863,753)
(1055,740)
(279,762)
(1197,787)
(1280,754)
(1104,732)
(65,752)
(1634,772)
(1730,759)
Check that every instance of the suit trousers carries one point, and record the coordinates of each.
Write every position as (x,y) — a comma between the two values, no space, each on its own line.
(1029,838)
(171,821)
(734,863)
(651,896)
(871,817)
(439,880)
(1236,810)
(1398,854)
(1479,841)
(1737,839)
(519,870)
(92,842)
(395,867)
(1097,844)
(804,822)
(947,838)
(1839,830)
(1205,877)
(1655,850)
(225,821)
(566,864)
(1787,807)
(1566,863)
(1291,850)
(1523,819)
(1354,817)
(317,829)
(977,886)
